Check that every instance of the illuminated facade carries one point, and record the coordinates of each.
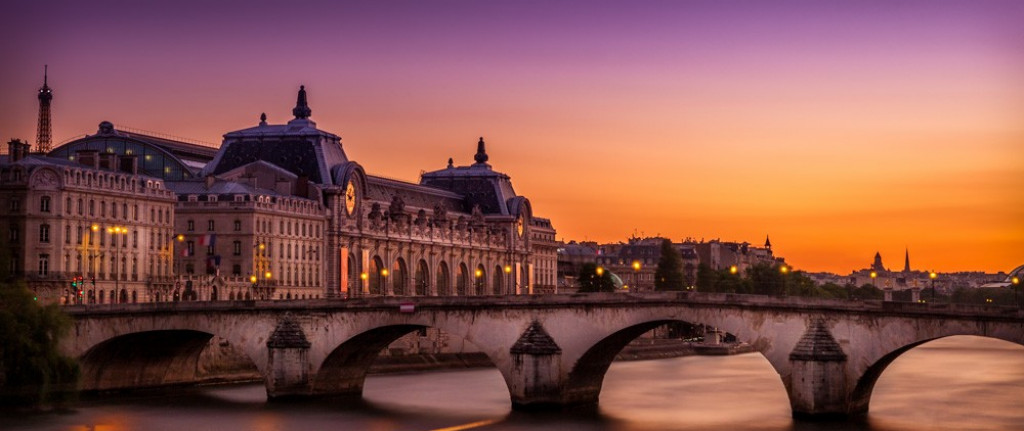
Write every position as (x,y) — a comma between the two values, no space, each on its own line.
(94,222)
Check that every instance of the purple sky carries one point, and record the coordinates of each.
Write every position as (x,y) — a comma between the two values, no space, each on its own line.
(838,128)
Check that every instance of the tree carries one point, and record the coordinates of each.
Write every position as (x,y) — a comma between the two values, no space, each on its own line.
(32,370)
(669,274)
(593,278)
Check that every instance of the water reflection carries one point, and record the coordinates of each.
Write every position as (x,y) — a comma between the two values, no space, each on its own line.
(951,384)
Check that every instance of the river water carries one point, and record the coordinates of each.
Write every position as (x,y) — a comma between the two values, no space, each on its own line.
(959,383)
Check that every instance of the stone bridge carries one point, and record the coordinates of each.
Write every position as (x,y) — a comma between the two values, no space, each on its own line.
(552,350)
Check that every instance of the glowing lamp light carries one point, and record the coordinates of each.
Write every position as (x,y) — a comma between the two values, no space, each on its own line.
(181,237)
(733,269)
(600,271)
(784,269)
(363,276)
(252,278)
(508,269)
(874,274)
(478,273)
(267,275)
(1015,280)
(384,272)
(636,265)
(933,275)
(95,228)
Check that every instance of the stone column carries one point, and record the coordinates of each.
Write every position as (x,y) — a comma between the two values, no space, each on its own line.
(817,385)
(536,370)
(287,365)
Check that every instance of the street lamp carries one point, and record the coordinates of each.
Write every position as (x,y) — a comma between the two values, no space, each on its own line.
(932,276)
(113,231)
(479,284)
(384,281)
(508,276)
(784,269)
(874,275)
(600,271)
(636,274)
(1015,281)
(733,269)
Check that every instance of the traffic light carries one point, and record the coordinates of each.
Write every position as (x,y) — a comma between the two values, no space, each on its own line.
(74,282)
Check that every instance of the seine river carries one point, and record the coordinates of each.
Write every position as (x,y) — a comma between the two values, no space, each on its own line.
(961,383)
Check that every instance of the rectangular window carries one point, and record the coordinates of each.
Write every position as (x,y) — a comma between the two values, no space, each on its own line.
(210,225)
(238,225)
(15,205)
(67,234)
(13,234)
(44,204)
(44,264)
(191,226)
(238,248)
(236,270)
(191,248)
(44,233)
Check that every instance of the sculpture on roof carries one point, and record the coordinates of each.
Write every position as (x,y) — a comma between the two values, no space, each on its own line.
(301,109)
(481,153)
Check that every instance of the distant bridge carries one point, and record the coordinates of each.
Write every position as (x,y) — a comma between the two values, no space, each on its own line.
(552,350)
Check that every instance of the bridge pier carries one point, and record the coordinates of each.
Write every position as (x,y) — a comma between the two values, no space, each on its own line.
(287,364)
(536,371)
(817,384)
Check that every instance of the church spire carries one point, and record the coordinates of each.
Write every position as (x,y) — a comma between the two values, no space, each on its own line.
(301,110)
(481,152)
(906,264)
(767,243)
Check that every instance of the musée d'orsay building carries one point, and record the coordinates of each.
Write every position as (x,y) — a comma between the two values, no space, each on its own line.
(277,212)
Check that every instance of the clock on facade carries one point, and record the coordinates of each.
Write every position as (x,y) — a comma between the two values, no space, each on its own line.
(350,198)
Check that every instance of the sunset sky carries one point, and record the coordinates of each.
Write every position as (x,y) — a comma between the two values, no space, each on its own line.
(838,128)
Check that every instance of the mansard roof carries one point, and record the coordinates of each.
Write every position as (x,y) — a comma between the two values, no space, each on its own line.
(297,146)
(477,183)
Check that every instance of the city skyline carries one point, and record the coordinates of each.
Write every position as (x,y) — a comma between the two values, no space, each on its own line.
(838,130)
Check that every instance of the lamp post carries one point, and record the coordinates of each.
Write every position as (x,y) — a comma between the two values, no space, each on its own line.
(932,276)
(636,275)
(508,276)
(1014,282)
(384,281)
(477,275)
(362,286)
(874,275)
(114,232)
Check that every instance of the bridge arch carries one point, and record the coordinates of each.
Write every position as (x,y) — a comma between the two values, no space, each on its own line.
(343,371)
(149,354)
(860,397)
(587,371)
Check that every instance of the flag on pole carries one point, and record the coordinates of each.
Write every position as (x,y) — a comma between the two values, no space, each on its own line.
(208,239)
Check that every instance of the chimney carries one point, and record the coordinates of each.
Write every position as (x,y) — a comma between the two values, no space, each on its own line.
(129,164)
(302,186)
(283,186)
(15,150)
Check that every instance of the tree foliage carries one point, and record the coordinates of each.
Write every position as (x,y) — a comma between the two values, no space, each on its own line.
(591,281)
(32,370)
(669,273)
